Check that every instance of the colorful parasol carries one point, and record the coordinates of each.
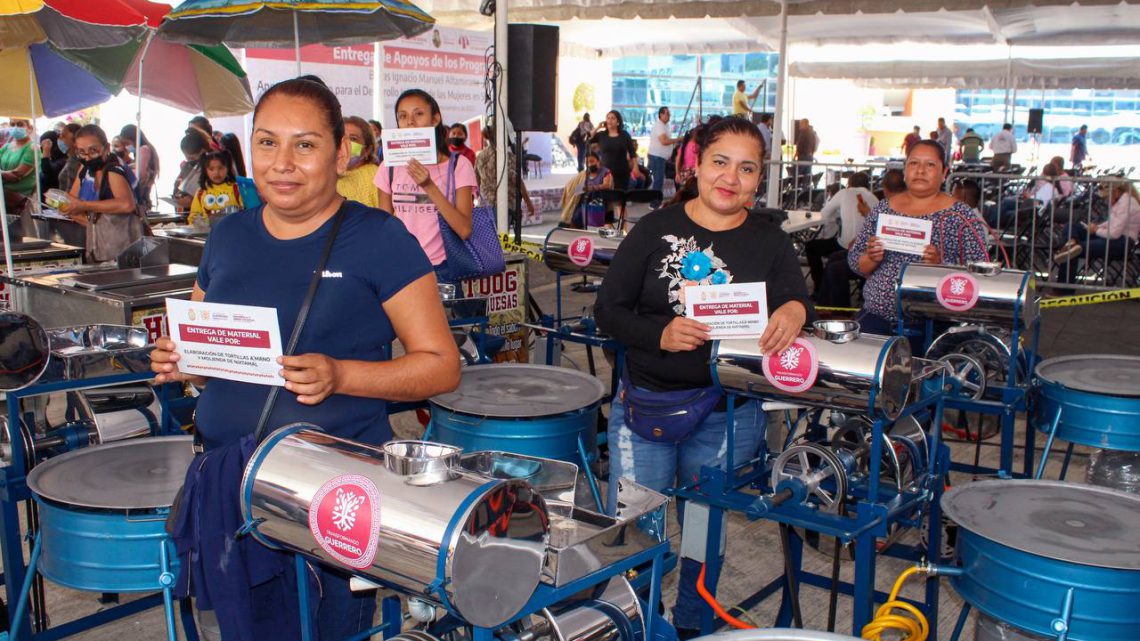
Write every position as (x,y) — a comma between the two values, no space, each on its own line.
(283,23)
(194,78)
(68,23)
(39,80)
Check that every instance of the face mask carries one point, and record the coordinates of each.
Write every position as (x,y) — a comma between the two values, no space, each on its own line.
(62,146)
(456,142)
(593,170)
(94,164)
(355,148)
(18,133)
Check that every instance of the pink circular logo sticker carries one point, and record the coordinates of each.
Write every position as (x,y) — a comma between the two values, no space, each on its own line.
(581,251)
(794,369)
(958,291)
(344,519)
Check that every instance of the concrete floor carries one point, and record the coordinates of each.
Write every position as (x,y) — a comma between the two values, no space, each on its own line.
(754,556)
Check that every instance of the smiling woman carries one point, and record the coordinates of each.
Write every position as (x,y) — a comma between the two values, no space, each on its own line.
(377,286)
(421,195)
(957,236)
(710,240)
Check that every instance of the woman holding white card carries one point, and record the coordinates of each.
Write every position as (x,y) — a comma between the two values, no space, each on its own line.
(420,194)
(957,237)
(710,240)
(345,280)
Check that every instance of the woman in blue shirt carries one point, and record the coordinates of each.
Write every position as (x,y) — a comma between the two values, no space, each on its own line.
(376,287)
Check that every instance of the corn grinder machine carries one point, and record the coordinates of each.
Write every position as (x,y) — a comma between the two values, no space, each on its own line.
(855,485)
(494,543)
(982,321)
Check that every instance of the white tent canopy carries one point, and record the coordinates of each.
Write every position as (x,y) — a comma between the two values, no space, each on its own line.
(615,28)
(1053,73)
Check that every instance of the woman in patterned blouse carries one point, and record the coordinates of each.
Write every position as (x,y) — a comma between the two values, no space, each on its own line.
(956,236)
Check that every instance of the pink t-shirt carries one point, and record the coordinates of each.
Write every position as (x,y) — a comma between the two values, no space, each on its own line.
(415,209)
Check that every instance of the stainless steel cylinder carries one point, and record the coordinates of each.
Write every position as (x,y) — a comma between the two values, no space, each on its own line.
(581,251)
(864,373)
(976,293)
(600,614)
(402,516)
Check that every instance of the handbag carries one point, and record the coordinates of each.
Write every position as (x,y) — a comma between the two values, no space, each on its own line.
(294,338)
(481,254)
(666,417)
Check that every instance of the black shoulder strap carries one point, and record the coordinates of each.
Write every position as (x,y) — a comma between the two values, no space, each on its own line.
(302,316)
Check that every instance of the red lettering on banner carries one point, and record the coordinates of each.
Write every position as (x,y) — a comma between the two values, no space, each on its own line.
(354,56)
(401,58)
(224,336)
(726,309)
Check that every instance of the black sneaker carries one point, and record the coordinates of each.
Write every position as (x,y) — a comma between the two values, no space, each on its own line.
(684,634)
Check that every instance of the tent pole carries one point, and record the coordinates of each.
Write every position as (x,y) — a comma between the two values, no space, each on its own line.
(3,207)
(33,140)
(499,108)
(1008,82)
(377,106)
(297,41)
(1013,106)
(777,151)
(138,113)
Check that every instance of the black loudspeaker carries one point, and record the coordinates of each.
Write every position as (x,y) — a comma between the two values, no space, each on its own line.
(532,77)
(1036,117)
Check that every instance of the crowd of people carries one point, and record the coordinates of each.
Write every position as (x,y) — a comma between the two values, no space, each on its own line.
(1003,144)
(319,193)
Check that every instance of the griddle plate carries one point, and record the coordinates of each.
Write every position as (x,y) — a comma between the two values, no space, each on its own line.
(521,391)
(1108,374)
(116,278)
(1082,524)
(139,474)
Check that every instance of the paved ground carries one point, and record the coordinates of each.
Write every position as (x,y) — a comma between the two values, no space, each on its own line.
(753,551)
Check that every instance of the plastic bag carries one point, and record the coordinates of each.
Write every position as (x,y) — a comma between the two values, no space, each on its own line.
(990,629)
(1115,470)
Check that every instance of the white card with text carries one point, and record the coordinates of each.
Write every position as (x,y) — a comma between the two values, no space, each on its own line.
(904,233)
(402,145)
(234,342)
(736,310)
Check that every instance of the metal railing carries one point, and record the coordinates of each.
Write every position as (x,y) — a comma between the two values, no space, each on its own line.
(1028,233)
(1034,218)
(803,184)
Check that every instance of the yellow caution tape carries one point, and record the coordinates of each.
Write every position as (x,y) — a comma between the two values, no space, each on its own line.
(1097,298)
(532,251)
(1113,296)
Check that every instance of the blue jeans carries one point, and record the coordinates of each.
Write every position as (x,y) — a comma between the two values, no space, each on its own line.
(582,156)
(1094,247)
(660,466)
(1004,213)
(342,613)
(657,173)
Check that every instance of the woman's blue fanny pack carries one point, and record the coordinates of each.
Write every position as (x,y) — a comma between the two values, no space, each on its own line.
(666,417)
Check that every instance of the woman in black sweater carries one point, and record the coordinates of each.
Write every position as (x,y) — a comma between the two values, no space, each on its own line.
(711,239)
(616,148)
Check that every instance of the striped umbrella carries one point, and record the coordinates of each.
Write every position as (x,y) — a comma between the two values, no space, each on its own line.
(194,78)
(283,23)
(39,80)
(68,23)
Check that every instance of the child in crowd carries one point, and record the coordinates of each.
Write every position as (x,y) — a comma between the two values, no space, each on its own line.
(218,191)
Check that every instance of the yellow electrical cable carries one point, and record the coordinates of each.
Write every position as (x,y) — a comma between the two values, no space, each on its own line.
(911,622)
